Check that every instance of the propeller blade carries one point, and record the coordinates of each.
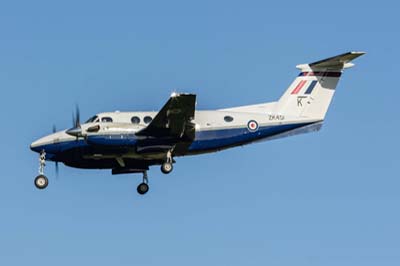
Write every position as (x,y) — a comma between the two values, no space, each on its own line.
(73,119)
(78,117)
(57,170)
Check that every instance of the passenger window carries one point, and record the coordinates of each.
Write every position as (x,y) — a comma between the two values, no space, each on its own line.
(135,120)
(106,119)
(147,119)
(228,118)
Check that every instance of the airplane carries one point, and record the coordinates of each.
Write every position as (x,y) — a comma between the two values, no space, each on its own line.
(131,142)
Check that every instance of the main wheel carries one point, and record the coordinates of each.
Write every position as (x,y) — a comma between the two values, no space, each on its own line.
(41,182)
(167,168)
(142,188)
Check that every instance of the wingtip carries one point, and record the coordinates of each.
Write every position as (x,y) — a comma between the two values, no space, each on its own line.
(358,52)
(176,94)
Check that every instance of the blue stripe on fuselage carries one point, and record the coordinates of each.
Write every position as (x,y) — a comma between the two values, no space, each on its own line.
(216,139)
(113,140)
(205,139)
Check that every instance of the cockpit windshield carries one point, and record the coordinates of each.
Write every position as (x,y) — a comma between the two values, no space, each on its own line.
(93,119)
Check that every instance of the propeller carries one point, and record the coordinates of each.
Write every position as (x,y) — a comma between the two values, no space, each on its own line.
(76,130)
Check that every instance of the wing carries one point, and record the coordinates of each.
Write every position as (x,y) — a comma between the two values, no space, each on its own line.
(174,120)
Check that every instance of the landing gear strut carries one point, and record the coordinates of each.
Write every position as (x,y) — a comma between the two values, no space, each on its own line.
(143,187)
(41,181)
(167,166)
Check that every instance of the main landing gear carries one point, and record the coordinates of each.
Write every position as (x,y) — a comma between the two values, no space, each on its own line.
(167,166)
(41,181)
(143,187)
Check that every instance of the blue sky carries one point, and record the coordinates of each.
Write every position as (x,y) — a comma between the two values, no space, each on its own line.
(327,198)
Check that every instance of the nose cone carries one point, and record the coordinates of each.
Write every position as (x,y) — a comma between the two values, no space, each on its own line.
(40,144)
(50,143)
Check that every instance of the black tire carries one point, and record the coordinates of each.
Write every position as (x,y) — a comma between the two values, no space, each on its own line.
(167,168)
(41,182)
(142,188)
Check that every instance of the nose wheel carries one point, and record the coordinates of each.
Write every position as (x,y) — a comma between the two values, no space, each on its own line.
(143,187)
(41,181)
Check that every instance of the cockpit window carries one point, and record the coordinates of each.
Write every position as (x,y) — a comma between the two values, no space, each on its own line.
(93,119)
(106,119)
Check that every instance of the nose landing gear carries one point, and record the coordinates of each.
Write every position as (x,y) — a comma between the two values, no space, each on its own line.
(41,181)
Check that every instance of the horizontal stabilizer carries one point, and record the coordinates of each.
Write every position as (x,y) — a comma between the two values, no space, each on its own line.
(338,62)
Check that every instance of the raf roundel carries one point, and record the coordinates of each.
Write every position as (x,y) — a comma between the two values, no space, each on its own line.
(252,125)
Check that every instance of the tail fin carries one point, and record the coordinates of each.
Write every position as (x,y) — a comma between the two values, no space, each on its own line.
(311,92)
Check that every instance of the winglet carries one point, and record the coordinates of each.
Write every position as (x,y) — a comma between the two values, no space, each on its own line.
(338,62)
